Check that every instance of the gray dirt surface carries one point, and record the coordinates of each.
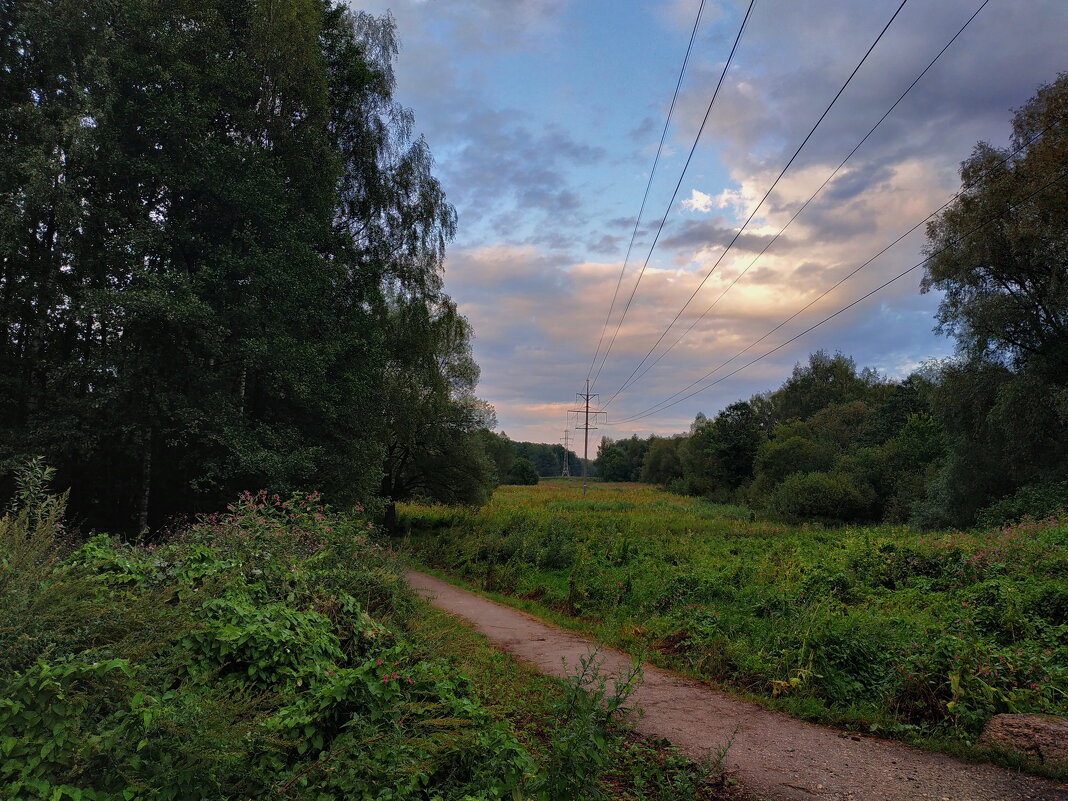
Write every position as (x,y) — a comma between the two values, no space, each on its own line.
(773,756)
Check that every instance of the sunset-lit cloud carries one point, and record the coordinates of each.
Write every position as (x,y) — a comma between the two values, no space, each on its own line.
(544,118)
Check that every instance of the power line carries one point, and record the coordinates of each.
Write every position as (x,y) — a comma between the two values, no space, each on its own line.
(756,208)
(648,185)
(1005,160)
(657,408)
(796,214)
(663,219)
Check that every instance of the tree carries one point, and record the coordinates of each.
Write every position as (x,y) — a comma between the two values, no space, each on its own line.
(999,252)
(821,382)
(523,472)
(999,255)
(500,450)
(434,421)
(621,460)
(662,464)
(208,214)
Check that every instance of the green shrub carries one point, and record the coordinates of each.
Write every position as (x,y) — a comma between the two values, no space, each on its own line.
(831,497)
(1038,501)
(522,472)
(260,654)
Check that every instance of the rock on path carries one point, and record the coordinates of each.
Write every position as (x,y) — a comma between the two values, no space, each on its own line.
(773,756)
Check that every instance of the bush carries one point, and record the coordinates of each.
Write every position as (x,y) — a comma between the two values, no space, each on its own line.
(257,655)
(1036,500)
(523,472)
(789,453)
(831,497)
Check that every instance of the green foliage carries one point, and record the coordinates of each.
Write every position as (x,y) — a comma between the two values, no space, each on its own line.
(824,381)
(234,250)
(873,443)
(883,628)
(548,459)
(662,464)
(621,460)
(436,449)
(996,255)
(1037,501)
(261,653)
(822,497)
(581,743)
(789,451)
(522,472)
(1003,289)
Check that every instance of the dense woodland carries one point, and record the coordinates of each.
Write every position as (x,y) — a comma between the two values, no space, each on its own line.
(220,262)
(981,437)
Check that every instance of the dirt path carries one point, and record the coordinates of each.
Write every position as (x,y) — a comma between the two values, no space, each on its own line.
(773,756)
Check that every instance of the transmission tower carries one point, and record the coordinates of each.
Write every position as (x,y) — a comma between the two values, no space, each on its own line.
(586,428)
(567,454)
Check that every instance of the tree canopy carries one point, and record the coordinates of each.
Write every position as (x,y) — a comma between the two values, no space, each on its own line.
(999,253)
(215,224)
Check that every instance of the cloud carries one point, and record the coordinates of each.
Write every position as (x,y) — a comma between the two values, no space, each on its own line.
(698,201)
(697,235)
(547,183)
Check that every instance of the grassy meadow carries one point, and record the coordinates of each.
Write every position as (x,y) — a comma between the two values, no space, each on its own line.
(883,629)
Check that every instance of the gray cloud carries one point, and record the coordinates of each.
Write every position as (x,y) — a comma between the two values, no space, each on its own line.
(693,235)
(528,220)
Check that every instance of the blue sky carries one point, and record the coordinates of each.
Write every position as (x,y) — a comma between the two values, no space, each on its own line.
(544,115)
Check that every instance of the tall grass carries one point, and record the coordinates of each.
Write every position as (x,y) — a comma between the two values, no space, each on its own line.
(883,628)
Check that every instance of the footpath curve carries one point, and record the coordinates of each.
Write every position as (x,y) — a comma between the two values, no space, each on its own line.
(774,756)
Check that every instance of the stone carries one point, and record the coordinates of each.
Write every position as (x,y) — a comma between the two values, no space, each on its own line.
(1042,736)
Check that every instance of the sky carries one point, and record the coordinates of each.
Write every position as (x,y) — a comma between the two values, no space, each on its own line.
(544,118)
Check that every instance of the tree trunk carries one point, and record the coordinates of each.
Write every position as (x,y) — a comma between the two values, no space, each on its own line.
(146,484)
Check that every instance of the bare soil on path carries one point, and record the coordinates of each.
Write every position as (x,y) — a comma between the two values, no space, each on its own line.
(773,755)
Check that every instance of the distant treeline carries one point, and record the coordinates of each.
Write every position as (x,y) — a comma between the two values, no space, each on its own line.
(526,462)
(949,445)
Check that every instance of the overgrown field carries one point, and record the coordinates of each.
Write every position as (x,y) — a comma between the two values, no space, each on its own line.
(275,652)
(883,628)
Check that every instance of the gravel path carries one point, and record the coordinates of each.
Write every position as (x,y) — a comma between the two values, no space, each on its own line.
(774,756)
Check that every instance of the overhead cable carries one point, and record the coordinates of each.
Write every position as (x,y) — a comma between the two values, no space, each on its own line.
(648,185)
(636,377)
(756,208)
(657,408)
(674,194)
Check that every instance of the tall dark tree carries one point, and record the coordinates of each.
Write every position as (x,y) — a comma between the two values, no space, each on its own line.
(999,255)
(206,212)
(824,380)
